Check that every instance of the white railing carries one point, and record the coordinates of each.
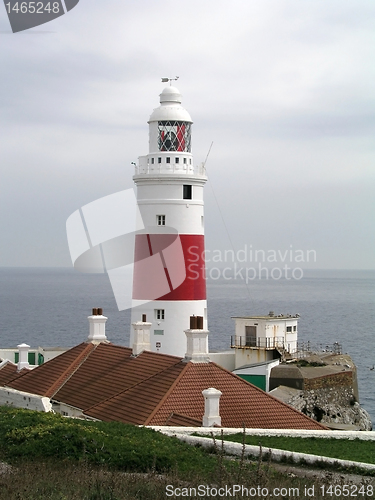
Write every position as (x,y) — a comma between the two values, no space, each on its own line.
(169,168)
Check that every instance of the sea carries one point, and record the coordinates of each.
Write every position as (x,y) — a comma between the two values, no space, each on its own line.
(49,307)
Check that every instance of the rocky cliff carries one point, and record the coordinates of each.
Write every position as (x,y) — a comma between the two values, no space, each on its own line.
(325,388)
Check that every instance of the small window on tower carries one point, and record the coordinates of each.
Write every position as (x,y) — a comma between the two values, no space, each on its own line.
(177,160)
(159,160)
(160,220)
(152,161)
(159,313)
(187,192)
(168,159)
(185,161)
(288,329)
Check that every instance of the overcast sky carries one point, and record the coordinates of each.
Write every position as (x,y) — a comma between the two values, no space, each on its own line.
(283,88)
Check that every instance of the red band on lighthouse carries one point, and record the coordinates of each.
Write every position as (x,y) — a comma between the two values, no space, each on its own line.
(169,267)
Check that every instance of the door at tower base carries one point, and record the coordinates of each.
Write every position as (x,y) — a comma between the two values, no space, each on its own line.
(169,267)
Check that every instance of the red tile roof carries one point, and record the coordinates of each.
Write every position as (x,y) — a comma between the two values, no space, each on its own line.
(106,382)
(8,372)
(136,404)
(241,403)
(46,379)
(110,370)
(176,420)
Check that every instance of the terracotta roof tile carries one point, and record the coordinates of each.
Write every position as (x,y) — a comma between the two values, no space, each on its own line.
(110,370)
(136,404)
(47,378)
(108,383)
(176,420)
(241,402)
(8,372)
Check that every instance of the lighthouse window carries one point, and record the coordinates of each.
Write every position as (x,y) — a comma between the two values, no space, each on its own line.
(174,136)
(177,160)
(159,313)
(288,328)
(185,161)
(159,160)
(152,161)
(168,159)
(187,192)
(160,220)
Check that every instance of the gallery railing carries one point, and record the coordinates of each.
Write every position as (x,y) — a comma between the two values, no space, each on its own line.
(241,341)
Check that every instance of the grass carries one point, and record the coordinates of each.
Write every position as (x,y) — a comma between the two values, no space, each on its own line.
(55,458)
(344,449)
(25,433)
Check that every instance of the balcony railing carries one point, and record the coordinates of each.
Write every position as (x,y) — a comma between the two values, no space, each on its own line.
(169,168)
(242,341)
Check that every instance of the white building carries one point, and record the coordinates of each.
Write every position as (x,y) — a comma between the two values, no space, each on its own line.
(266,332)
(169,280)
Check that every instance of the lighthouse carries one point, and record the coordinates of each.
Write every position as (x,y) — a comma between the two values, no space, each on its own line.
(169,277)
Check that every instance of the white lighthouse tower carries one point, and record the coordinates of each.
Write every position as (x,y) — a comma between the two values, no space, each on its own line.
(169,281)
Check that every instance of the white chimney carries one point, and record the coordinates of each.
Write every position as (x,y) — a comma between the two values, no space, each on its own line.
(142,340)
(211,415)
(197,341)
(23,356)
(97,326)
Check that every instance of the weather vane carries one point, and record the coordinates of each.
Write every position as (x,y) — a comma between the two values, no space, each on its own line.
(169,80)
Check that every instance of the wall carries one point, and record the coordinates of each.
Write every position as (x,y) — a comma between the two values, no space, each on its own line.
(18,399)
(224,359)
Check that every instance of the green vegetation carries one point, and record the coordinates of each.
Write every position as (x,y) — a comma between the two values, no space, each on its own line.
(56,458)
(25,433)
(344,449)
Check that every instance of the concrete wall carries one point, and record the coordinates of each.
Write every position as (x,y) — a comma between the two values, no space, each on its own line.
(224,359)
(248,356)
(19,399)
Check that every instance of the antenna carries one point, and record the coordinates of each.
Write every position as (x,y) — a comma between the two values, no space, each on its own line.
(164,80)
(209,151)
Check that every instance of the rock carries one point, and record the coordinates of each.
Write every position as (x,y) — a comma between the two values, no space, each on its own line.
(332,407)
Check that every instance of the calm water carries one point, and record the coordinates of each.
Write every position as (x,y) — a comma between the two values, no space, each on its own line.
(49,307)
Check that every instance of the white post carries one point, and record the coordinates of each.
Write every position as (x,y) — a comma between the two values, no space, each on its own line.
(211,415)
(142,340)
(197,346)
(97,326)
(23,356)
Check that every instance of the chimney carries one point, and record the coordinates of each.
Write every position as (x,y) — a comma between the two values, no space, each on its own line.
(142,340)
(23,356)
(211,415)
(97,326)
(197,341)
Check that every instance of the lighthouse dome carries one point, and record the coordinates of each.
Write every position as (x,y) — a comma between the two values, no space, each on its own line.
(170,107)
(170,94)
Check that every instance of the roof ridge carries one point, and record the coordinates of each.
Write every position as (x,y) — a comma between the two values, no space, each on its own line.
(269,395)
(169,391)
(72,368)
(129,388)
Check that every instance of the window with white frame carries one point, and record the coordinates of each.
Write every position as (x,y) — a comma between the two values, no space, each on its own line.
(159,313)
(160,220)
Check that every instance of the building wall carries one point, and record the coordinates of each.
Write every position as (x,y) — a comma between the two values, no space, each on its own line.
(271,328)
(25,400)
(225,359)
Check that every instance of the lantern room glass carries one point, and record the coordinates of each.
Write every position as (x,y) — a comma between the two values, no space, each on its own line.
(174,136)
